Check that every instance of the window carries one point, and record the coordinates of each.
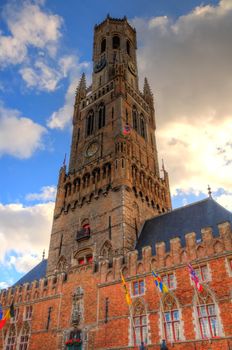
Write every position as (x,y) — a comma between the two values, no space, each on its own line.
(101,116)
(11,339)
(24,338)
(172,325)
(28,313)
(169,280)
(202,273)
(140,329)
(128,47)
(90,123)
(89,259)
(103,45)
(208,321)
(171,318)
(16,315)
(81,261)
(116,42)
(138,288)
(135,118)
(142,127)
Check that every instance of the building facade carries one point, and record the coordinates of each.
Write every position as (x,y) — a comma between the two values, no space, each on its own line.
(113,214)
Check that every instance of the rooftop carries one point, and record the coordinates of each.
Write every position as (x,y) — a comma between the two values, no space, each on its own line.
(180,221)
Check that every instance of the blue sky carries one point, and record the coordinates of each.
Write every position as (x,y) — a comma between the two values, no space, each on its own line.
(183,47)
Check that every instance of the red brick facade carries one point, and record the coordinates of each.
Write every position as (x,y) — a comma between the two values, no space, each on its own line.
(112,186)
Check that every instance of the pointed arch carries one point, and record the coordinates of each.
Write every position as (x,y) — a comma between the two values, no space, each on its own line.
(206,313)
(101,115)
(61,264)
(107,250)
(11,338)
(140,322)
(170,318)
(24,336)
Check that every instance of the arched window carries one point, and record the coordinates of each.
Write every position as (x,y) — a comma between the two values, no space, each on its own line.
(135,118)
(90,123)
(171,318)
(103,45)
(101,116)
(207,315)
(128,47)
(11,338)
(140,329)
(107,250)
(142,126)
(24,338)
(116,42)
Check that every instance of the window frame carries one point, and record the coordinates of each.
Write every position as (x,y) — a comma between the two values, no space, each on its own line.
(140,326)
(208,318)
(201,274)
(172,322)
(168,282)
(140,282)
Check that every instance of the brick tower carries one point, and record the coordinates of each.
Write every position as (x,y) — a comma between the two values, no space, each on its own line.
(113,182)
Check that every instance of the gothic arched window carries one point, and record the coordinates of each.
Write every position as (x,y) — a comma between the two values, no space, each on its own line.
(207,315)
(90,123)
(24,338)
(140,323)
(101,116)
(142,126)
(11,338)
(135,118)
(116,42)
(171,318)
(103,45)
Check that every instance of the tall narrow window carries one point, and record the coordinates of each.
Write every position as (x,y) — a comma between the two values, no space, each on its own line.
(11,339)
(202,273)
(135,118)
(101,116)
(103,45)
(128,47)
(24,338)
(140,323)
(90,123)
(142,126)
(171,318)
(209,324)
(116,42)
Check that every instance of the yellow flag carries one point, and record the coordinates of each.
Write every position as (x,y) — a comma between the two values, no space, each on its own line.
(127,294)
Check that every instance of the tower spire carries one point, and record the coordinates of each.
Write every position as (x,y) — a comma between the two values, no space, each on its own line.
(81,88)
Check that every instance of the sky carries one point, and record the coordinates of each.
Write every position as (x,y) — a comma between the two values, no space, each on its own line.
(184,48)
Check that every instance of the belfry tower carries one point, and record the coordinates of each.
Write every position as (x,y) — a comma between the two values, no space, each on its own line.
(113,183)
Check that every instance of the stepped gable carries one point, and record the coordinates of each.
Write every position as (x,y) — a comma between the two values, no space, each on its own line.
(190,218)
(38,272)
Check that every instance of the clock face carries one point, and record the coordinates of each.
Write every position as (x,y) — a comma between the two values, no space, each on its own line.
(99,65)
(131,67)
(92,149)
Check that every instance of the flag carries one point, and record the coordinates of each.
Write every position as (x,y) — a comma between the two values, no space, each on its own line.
(159,283)
(6,317)
(194,278)
(1,312)
(128,297)
(126,129)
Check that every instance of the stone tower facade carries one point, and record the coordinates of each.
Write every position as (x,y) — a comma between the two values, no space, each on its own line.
(113,183)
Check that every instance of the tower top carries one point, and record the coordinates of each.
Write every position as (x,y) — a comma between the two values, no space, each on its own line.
(114,20)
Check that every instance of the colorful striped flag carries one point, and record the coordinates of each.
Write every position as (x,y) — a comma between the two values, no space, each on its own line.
(6,317)
(1,312)
(127,294)
(194,278)
(159,283)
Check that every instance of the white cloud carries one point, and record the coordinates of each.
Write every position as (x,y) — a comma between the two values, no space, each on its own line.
(48,193)
(4,285)
(41,76)
(188,62)
(63,116)
(26,232)
(19,136)
(225,199)
(29,26)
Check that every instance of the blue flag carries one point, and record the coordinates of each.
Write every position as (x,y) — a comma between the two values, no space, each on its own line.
(1,312)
